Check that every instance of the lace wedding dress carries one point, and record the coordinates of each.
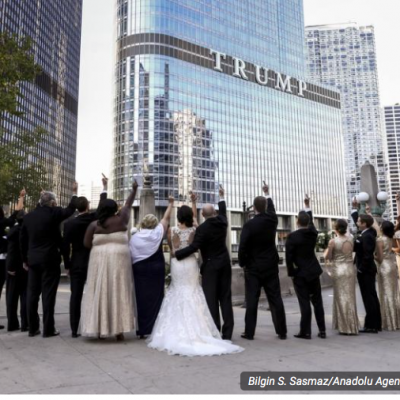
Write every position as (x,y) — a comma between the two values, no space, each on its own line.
(184,324)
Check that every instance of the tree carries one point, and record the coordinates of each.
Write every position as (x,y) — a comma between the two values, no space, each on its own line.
(22,165)
(17,64)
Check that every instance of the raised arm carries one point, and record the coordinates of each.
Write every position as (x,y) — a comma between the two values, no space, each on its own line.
(307,209)
(167,215)
(126,209)
(221,203)
(271,213)
(64,213)
(354,211)
(21,198)
(193,199)
(398,202)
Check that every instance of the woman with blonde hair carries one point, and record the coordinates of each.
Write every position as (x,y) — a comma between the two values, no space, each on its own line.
(149,269)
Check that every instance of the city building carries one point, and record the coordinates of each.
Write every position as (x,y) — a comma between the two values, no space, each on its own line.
(213,93)
(392,124)
(344,57)
(51,102)
(92,192)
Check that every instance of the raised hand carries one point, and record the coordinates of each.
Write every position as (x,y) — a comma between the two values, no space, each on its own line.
(171,200)
(221,191)
(22,193)
(135,185)
(397,197)
(193,197)
(367,209)
(104,180)
(75,187)
(307,200)
(265,189)
(354,203)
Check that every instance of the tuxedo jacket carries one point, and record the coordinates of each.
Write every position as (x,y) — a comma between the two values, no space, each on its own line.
(210,239)
(364,247)
(14,259)
(6,223)
(74,234)
(257,249)
(41,234)
(301,260)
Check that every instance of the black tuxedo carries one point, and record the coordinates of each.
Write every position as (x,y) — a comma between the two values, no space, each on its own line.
(216,270)
(17,284)
(259,256)
(364,247)
(4,223)
(303,266)
(40,246)
(77,262)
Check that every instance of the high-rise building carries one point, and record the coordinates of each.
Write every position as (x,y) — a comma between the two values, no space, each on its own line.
(213,92)
(344,57)
(92,192)
(392,124)
(51,101)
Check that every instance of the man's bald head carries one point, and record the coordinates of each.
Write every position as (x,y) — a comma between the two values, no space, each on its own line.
(208,211)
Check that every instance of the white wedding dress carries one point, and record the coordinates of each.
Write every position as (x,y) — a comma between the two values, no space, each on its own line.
(184,324)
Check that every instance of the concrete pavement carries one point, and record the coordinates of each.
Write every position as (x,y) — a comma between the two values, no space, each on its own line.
(65,365)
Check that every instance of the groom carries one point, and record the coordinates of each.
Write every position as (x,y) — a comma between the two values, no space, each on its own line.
(216,271)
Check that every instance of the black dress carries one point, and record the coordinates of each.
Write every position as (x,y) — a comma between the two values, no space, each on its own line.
(149,276)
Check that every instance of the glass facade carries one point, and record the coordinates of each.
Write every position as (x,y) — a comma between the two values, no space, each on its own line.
(194,126)
(52,101)
(392,124)
(344,56)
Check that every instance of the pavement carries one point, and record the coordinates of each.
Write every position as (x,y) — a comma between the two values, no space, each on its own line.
(62,365)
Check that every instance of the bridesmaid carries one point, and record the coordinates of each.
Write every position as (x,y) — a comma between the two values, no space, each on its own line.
(387,278)
(343,274)
(396,238)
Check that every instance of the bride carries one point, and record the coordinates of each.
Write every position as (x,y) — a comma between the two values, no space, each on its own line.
(184,324)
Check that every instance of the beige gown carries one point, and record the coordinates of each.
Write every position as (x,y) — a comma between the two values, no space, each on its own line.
(107,308)
(388,285)
(343,273)
(397,236)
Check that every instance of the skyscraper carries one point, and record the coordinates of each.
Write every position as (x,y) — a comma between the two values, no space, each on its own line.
(344,56)
(392,124)
(213,92)
(51,101)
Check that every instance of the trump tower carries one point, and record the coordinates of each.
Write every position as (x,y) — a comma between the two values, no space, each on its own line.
(212,92)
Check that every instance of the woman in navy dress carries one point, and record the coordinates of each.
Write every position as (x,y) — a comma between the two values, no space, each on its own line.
(149,269)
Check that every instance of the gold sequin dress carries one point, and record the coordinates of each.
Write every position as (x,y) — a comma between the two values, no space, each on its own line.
(108,307)
(388,285)
(343,274)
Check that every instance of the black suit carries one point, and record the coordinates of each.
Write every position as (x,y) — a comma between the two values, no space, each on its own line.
(16,284)
(77,264)
(40,246)
(364,247)
(4,223)
(216,270)
(303,266)
(259,256)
